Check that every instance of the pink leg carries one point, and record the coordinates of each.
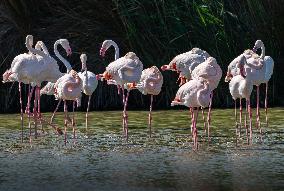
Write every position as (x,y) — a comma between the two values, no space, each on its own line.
(150,116)
(73,121)
(236,123)
(241,113)
(246,126)
(88,111)
(126,116)
(195,129)
(22,119)
(192,115)
(209,114)
(65,122)
(38,108)
(257,109)
(250,120)
(28,111)
(192,127)
(266,91)
(53,115)
(123,114)
(203,117)
(35,112)
(118,89)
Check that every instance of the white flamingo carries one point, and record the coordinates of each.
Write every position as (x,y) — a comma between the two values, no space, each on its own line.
(185,63)
(193,94)
(241,87)
(124,70)
(151,82)
(89,80)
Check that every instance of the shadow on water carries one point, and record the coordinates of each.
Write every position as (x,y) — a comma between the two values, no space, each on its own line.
(100,158)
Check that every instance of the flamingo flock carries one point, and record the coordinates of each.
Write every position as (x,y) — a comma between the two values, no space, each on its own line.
(199,75)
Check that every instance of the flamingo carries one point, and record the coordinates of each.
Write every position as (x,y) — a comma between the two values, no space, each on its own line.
(185,63)
(210,71)
(241,87)
(68,87)
(151,82)
(124,70)
(89,80)
(193,94)
(265,72)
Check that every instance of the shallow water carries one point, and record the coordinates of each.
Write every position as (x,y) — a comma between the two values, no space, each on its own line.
(100,158)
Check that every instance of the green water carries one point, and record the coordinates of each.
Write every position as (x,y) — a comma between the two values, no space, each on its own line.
(101,159)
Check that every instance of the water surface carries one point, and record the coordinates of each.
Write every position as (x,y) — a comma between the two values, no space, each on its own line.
(101,159)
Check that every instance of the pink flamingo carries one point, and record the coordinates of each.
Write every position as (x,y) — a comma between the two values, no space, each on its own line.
(151,82)
(68,87)
(89,80)
(211,72)
(193,94)
(241,87)
(124,70)
(185,63)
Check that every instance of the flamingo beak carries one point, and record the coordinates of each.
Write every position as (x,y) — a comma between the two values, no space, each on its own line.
(131,85)
(69,51)
(164,67)
(102,52)
(107,76)
(228,77)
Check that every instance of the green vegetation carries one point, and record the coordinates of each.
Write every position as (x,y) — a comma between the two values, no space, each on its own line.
(155,30)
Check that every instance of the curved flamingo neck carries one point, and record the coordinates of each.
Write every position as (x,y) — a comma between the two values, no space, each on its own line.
(116,56)
(65,62)
(40,45)
(262,52)
(31,49)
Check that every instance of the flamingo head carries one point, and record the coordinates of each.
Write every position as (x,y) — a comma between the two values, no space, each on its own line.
(105,46)
(83,59)
(228,77)
(241,63)
(131,85)
(172,66)
(6,76)
(30,40)
(258,44)
(176,101)
(65,44)
(106,75)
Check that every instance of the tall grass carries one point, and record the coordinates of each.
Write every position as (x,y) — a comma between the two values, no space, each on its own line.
(156,30)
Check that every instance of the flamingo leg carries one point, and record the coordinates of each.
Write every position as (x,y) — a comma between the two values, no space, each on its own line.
(246,114)
(53,115)
(236,118)
(209,114)
(195,130)
(88,111)
(35,112)
(203,117)
(65,122)
(29,112)
(125,115)
(38,108)
(265,103)
(250,119)
(192,127)
(73,121)
(257,109)
(241,113)
(150,116)
(192,115)
(21,105)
